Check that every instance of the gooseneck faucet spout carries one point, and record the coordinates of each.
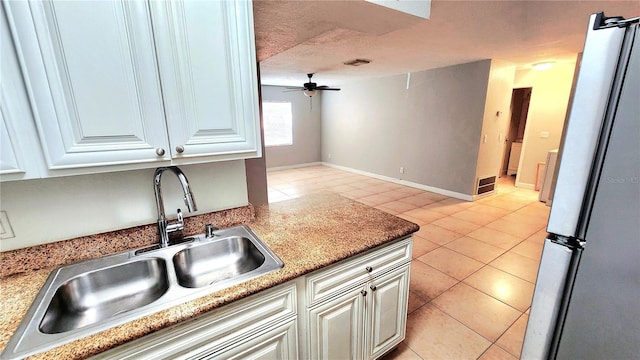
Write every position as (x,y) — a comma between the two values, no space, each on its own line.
(164,226)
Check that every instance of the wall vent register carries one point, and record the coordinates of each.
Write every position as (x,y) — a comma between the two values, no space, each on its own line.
(486,184)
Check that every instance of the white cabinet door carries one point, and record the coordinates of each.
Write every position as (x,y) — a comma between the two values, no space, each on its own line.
(387,308)
(20,154)
(336,327)
(358,308)
(90,69)
(207,67)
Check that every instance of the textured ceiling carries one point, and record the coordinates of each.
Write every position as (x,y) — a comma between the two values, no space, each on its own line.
(297,37)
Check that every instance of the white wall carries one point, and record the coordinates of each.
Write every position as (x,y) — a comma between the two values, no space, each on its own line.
(306,128)
(432,129)
(547,112)
(496,118)
(48,210)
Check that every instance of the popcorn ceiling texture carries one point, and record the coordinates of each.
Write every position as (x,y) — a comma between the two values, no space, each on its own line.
(306,233)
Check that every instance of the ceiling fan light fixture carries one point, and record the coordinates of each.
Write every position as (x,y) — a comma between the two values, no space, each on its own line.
(357,62)
(309,93)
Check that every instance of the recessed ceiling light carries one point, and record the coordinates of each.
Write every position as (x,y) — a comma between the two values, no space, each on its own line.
(357,62)
(542,66)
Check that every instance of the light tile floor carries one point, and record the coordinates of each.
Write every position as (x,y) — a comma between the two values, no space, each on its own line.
(475,263)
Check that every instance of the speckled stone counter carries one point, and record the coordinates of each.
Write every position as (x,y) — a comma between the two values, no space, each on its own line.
(306,233)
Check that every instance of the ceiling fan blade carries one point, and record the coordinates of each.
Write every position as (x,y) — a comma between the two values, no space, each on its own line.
(327,88)
(292,90)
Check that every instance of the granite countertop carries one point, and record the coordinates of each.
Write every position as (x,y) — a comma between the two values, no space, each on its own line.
(307,233)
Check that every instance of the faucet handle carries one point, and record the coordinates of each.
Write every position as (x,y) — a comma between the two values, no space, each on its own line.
(177,225)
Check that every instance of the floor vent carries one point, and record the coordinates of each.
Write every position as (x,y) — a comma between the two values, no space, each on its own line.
(486,185)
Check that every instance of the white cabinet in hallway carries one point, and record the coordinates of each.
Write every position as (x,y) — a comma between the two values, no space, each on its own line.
(124,85)
(514,158)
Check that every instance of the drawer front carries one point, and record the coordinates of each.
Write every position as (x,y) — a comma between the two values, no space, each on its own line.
(329,281)
(216,330)
(278,343)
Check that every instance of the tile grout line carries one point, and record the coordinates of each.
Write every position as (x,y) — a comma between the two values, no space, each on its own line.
(302,177)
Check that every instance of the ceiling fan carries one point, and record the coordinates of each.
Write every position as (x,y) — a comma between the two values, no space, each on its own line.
(310,88)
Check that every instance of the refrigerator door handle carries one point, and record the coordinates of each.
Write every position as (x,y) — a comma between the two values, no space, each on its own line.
(550,299)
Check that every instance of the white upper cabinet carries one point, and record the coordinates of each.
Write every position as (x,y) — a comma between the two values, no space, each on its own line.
(206,58)
(19,148)
(118,85)
(91,73)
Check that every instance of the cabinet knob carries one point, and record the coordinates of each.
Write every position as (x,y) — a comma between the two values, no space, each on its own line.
(369,269)
(373,287)
(160,151)
(364,293)
(179,149)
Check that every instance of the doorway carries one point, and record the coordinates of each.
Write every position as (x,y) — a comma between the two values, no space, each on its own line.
(520,99)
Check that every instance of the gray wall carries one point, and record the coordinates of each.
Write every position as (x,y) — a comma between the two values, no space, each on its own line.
(433,129)
(306,128)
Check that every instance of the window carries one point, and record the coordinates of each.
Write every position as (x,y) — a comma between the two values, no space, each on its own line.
(278,127)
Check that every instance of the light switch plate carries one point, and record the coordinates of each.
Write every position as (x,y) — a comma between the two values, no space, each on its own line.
(6,232)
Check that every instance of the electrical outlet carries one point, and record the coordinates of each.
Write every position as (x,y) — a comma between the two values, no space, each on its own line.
(6,231)
(401,170)
(328,156)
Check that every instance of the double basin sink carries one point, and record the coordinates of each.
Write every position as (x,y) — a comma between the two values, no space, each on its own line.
(82,299)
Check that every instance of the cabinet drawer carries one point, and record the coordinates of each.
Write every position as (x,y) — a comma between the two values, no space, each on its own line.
(216,330)
(278,343)
(325,283)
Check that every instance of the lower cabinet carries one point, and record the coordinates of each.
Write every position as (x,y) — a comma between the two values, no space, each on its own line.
(362,323)
(354,309)
(278,342)
(357,309)
(336,327)
(387,312)
(262,326)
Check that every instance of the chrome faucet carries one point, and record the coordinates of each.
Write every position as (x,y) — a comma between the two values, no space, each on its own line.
(164,226)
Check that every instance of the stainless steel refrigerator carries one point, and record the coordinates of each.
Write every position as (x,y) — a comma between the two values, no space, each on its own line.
(586,303)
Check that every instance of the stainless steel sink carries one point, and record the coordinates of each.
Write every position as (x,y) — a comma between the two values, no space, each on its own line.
(81,299)
(95,296)
(207,264)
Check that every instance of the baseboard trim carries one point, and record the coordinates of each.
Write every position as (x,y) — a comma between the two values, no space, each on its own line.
(289,167)
(436,190)
(525,186)
(482,196)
